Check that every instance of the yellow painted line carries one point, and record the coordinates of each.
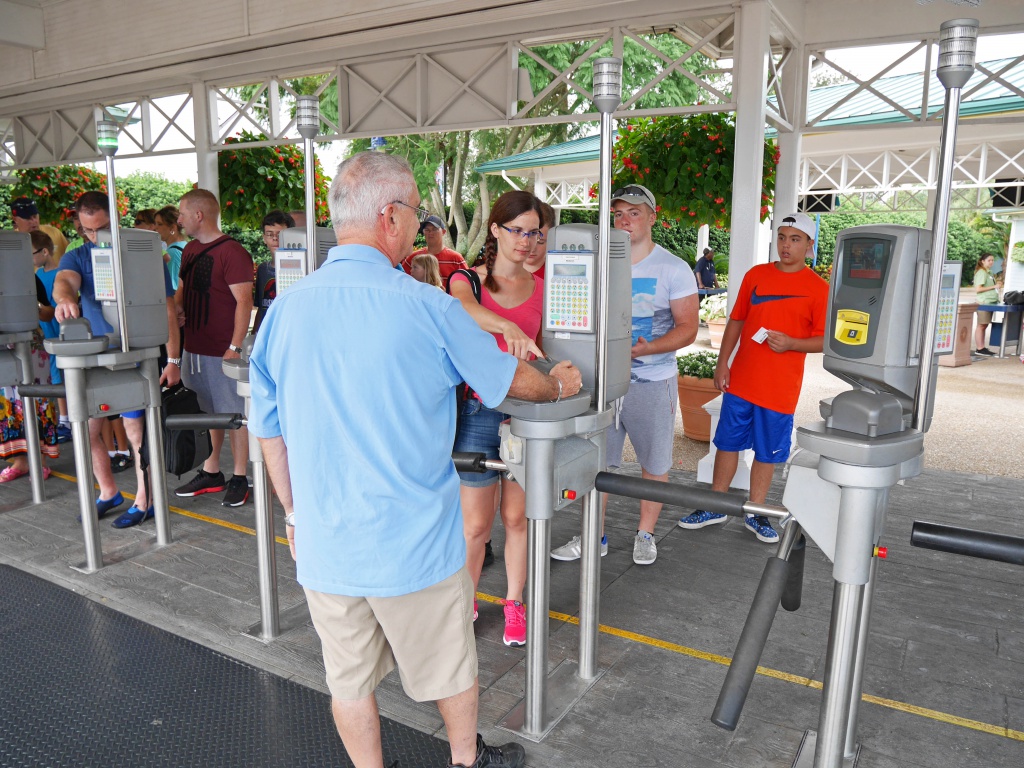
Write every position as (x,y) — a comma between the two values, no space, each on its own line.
(899,706)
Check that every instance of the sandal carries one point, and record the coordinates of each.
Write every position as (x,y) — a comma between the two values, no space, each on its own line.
(11,472)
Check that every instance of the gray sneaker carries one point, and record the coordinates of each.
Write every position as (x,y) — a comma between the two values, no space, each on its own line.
(645,551)
(573,549)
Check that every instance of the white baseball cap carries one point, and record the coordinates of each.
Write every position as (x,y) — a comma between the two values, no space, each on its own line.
(800,221)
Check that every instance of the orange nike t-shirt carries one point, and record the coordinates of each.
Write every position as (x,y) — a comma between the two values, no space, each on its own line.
(791,302)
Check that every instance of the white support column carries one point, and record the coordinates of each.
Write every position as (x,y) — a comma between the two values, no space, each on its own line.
(750,73)
(794,94)
(206,159)
(703,238)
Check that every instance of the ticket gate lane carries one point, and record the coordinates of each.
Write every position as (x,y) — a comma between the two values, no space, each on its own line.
(155,445)
(22,353)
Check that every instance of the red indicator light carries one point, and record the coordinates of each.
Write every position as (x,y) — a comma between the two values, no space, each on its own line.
(881,552)
(570,495)
(104,407)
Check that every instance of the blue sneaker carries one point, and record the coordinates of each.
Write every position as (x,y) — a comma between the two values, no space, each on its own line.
(105,506)
(702,518)
(63,433)
(760,526)
(134,516)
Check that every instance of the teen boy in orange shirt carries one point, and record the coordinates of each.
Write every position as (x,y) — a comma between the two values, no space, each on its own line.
(779,317)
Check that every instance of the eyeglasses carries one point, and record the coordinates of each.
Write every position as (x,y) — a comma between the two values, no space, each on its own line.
(38,250)
(87,231)
(522,233)
(421,213)
(272,236)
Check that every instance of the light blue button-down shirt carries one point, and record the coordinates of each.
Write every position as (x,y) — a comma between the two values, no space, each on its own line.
(356,367)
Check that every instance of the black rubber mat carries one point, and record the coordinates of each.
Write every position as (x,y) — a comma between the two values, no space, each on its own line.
(84,686)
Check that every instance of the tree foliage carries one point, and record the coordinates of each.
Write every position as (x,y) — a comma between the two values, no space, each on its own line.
(257,180)
(55,190)
(150,190)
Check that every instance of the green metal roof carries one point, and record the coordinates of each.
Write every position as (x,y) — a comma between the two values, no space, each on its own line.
(864,108)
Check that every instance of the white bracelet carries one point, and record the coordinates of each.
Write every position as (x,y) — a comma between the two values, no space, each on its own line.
(559,382)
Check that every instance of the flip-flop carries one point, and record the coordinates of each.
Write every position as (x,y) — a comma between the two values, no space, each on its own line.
(11,472)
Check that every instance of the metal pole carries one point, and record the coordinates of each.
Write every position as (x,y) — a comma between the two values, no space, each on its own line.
(590,584)
(957,41)
(270,621)
(540,458)
(847,601)
(106,142)
(307,120)
(157,462)
(75,384)
(858,663)
(23,351)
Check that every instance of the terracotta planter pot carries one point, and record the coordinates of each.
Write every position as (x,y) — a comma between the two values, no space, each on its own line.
(693,394)
(716,329)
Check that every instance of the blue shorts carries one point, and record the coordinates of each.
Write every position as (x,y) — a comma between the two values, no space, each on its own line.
(743,425)
(477,432)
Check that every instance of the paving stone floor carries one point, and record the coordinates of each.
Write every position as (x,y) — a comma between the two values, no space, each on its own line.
(945,664)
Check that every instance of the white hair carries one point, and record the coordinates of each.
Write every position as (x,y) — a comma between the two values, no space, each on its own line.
(364,184)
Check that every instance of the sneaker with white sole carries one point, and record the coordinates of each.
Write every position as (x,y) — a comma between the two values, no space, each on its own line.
(573,549)
(702,518)
(761,527)
(645,551)
(515,623)
(203,482)
(237,491)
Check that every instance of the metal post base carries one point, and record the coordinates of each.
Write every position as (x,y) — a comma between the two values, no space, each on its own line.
(564,688)
(287,620)
(805,752)
(119,555)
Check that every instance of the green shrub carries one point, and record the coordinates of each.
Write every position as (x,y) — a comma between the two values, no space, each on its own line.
(698,364)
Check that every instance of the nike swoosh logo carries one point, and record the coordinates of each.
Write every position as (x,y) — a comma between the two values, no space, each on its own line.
(755,299)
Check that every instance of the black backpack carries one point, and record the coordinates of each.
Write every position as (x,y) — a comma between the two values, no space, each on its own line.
(184,449)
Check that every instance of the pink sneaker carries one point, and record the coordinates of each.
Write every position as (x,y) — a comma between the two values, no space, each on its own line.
(515,623)
(476,613)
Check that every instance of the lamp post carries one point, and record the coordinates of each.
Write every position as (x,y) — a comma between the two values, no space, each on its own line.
(307,119)
(958,41)
(607,96)
(106,143)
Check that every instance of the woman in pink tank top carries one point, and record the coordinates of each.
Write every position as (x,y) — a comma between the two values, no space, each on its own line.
(511,307)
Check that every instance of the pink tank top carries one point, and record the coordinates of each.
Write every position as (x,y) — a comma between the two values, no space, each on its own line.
(528,316)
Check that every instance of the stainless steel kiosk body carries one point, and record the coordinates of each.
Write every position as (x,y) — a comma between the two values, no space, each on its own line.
(110,374)
(19,317)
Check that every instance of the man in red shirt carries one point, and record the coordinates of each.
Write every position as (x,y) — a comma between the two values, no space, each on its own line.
(777,320)
(448,261)
(215,297)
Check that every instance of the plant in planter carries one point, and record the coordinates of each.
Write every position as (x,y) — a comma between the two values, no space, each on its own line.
(713,311)
(696,387)
(1017,252)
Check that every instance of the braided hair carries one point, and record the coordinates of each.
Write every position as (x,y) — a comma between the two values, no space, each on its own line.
(509,206)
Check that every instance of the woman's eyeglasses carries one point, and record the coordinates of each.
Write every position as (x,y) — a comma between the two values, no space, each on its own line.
(523,234)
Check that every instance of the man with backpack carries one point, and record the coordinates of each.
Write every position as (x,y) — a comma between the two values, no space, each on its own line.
(215,296)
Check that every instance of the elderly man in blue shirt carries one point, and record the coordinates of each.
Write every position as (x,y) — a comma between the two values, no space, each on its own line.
(353,382)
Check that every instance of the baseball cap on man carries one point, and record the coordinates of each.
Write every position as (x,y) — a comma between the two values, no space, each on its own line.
(800,221)
(634,194)
(24,208)
(435,221)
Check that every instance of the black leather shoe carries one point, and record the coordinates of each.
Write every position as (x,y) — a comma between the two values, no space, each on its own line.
(509,755)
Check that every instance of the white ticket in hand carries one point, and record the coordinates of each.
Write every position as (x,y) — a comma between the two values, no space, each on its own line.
(761,335)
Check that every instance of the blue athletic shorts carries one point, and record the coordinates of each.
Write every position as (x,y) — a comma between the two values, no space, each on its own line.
(477,432)
(743,425)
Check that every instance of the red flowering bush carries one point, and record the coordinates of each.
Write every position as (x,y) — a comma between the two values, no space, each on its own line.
(255,181)
(56,189)
(687,162)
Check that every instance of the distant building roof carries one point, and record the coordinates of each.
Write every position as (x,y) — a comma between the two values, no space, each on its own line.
(864,108)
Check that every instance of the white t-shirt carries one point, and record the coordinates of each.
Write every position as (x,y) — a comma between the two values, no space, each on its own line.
(657,280)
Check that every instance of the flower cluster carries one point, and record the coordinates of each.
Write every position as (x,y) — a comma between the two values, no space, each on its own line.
(55,190)
(687,162)
(700,365)
(256,180)
(713,307)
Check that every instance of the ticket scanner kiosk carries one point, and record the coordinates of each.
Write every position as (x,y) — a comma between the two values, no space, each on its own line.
(111,373)
(292,261)
(555,450)
(19,317)
(837,486)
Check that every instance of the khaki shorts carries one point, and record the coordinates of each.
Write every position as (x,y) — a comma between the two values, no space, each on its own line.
(429,634)
(984,318)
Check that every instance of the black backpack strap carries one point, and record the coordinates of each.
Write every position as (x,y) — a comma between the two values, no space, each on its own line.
(474,282)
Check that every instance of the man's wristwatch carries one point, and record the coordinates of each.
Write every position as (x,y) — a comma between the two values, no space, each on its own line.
(289,519)
(174,361)
(233,348)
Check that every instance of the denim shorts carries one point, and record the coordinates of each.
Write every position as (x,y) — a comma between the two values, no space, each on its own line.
(477,432)
(743,425)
